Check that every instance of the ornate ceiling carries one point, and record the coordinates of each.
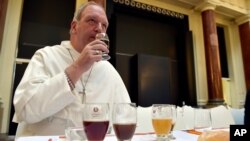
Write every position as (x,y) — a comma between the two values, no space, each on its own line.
(227,8)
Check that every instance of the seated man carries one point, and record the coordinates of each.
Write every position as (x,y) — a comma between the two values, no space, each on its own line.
(61,78)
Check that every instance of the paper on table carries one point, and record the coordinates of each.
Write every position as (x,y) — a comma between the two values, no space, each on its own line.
(180,136)
(185,118)
(217,121)
(144,121)
(184,136)
(148,137)
(38,138)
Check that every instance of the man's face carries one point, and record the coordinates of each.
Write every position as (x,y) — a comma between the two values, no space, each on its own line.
(93,20)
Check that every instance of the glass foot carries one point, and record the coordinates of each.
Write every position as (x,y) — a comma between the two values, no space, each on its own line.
(171,137)
(105,57)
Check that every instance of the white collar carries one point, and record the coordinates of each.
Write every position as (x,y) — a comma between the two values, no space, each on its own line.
(67,44)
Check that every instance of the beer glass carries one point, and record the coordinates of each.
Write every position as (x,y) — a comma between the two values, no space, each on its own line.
(74,132)
(124,118)
(174,118)
(104,37)
(162,120)
(95,120)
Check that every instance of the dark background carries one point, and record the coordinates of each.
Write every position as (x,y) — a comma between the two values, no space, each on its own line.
(153,54)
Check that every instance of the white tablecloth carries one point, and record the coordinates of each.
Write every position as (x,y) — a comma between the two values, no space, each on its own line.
(180,136)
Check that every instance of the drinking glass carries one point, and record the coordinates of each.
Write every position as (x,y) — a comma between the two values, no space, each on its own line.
(74,132)
(95,120)
(162,120)
(124,118)
(104,37)
(202,119)
(174,118)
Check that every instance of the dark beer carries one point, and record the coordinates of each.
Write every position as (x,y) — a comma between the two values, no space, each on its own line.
(124,131)
(106,41)
(95,130)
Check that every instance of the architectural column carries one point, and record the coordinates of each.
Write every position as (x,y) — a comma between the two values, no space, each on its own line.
(214,79)
(244,29)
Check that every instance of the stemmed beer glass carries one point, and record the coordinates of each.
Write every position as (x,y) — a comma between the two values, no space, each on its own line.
(104,37)
(174,112)
(95,120)
(162,120)
(124,120)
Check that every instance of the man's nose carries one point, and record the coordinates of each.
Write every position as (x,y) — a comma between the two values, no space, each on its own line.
(99,27)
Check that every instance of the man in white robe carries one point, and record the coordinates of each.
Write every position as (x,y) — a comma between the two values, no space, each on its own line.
(60,79)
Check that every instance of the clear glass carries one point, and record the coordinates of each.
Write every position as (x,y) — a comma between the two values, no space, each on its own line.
(95,120)
(74,132)
(104,37)
(124,118)
(174,118)
(202,119)
(162,120)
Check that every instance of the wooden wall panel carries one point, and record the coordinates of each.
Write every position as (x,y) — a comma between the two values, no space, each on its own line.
(245,42)
(3,9)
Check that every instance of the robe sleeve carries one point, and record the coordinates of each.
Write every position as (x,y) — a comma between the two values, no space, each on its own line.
(40,95)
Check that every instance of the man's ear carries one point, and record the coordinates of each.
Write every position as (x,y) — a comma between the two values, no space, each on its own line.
(73,27)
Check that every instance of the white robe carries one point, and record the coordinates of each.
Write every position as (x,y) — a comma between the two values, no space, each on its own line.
(43,99)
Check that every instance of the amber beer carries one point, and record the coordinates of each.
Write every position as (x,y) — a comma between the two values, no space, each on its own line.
(162,126)
(162,120)
(172,127)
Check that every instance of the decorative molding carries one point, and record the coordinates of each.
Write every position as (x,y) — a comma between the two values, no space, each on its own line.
(230,9)
(150,8)
(242,19)
(205,6)
(202,102)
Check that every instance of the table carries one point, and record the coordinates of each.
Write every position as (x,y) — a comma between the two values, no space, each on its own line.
(180,136)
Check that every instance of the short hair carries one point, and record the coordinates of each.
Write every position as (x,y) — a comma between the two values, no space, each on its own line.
(82,7)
